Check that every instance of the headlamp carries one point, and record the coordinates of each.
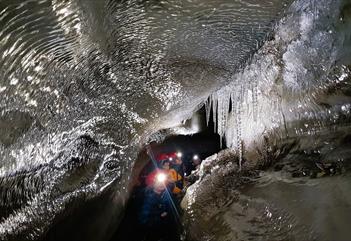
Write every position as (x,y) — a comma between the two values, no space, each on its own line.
(161,178)
(195,157)
(179,154)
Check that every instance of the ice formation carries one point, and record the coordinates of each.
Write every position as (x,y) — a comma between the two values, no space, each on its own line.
(295,65)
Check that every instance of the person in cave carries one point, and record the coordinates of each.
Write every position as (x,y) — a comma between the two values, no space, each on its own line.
(178,174)
(195,165)
(174,178)
(196,162)
(157,213)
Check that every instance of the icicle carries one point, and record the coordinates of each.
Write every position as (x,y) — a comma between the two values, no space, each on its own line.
(254,100)
(233,119)
(239,125)
(222,113)
(246,99)
(208,109)
(233,99)
(214,110)
(220,117)
(238,133)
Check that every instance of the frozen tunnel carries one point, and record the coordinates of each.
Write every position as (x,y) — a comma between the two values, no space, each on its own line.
(100,126)
(195,140)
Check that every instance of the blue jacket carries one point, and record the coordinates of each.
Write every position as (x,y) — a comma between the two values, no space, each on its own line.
(153,206)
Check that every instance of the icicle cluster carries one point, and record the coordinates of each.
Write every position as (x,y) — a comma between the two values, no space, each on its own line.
(228,105)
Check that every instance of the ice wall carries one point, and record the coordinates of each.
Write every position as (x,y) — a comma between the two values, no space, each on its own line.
(286,79)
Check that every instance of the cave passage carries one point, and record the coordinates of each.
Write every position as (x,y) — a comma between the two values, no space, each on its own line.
(193,148)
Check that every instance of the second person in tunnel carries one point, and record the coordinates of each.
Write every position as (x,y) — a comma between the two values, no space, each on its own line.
(175,168)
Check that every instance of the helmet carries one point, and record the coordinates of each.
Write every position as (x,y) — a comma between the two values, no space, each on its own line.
(162,157)
(172,156)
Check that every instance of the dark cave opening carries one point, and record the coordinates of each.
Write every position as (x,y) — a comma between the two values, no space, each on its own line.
(194,148)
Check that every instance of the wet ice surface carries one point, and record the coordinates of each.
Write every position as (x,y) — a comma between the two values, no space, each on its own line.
(85,83)
(320,206)
(228,204)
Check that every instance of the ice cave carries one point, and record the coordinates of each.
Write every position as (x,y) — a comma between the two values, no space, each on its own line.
(175,120)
